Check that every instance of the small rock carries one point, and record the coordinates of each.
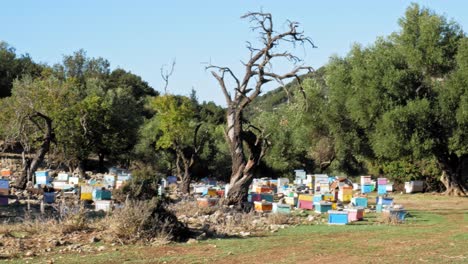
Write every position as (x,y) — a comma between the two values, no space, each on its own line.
(202,236)
(101,248)
(244,234)
(29,254)
(192,241)
(310,218)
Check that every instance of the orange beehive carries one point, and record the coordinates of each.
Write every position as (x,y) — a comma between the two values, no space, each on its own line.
(5,172)
(263,206)
(263,189)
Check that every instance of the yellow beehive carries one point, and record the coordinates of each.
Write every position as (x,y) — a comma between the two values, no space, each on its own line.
(86,196)
(328,197)
(334,206)
(86,193)
(306,197)
(212,192)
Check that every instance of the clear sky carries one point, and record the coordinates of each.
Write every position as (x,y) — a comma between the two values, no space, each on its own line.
(141,36)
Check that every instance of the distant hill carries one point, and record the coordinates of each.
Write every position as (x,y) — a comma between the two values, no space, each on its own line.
(274,98)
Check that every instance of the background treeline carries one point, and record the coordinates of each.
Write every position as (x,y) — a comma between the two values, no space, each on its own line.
(397,107)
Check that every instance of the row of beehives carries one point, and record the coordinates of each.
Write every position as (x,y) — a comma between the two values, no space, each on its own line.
(97,189)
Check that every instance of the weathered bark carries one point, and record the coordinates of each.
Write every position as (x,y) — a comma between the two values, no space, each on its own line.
(31,167)
(242,167)
(188,161)
(186,179)
(454,175)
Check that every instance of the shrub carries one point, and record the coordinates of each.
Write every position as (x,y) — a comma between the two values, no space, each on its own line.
(145,221)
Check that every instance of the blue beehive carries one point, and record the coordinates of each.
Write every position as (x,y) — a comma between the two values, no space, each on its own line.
(378,208)
(384,200)
(399,213)
(4,184)
(359,201)
(322,207)
(267,197)
(382,189)
(42,177)
(49,197)
(254,197)
(99,195)
(317,198)
(337,217)
(367,188)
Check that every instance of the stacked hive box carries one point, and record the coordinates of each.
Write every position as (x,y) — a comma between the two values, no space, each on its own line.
(383,202)
(263,206)
(4,191)
(43,178)
(86,193)
(366,184)
(321,183)
(300,177)
(345,193)
(306,201)
(382,186)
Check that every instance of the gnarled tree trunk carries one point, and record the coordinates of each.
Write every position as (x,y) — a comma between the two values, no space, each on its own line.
(242,167)
(455,175)
(31,167)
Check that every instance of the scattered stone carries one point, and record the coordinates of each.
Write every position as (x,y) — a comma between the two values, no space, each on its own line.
(192,241)
(101,248)
(244,234)
(29,254)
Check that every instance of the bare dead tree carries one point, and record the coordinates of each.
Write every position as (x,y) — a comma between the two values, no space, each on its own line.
(257,73)
(166,74)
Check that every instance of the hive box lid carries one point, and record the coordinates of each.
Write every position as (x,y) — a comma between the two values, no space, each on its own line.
(337,212)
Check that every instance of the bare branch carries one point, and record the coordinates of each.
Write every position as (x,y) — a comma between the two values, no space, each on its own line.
(165,75)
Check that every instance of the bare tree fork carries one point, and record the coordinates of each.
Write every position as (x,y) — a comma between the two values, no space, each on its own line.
(166,74)
(30,167)
(258,71)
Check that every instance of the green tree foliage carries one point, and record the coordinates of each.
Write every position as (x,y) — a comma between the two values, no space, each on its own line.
(12,67)
(391,100)
(178,131)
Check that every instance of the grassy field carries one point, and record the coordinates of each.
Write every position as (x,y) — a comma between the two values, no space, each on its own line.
(436,232)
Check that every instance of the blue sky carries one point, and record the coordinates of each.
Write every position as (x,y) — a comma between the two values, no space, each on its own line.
(141,36)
